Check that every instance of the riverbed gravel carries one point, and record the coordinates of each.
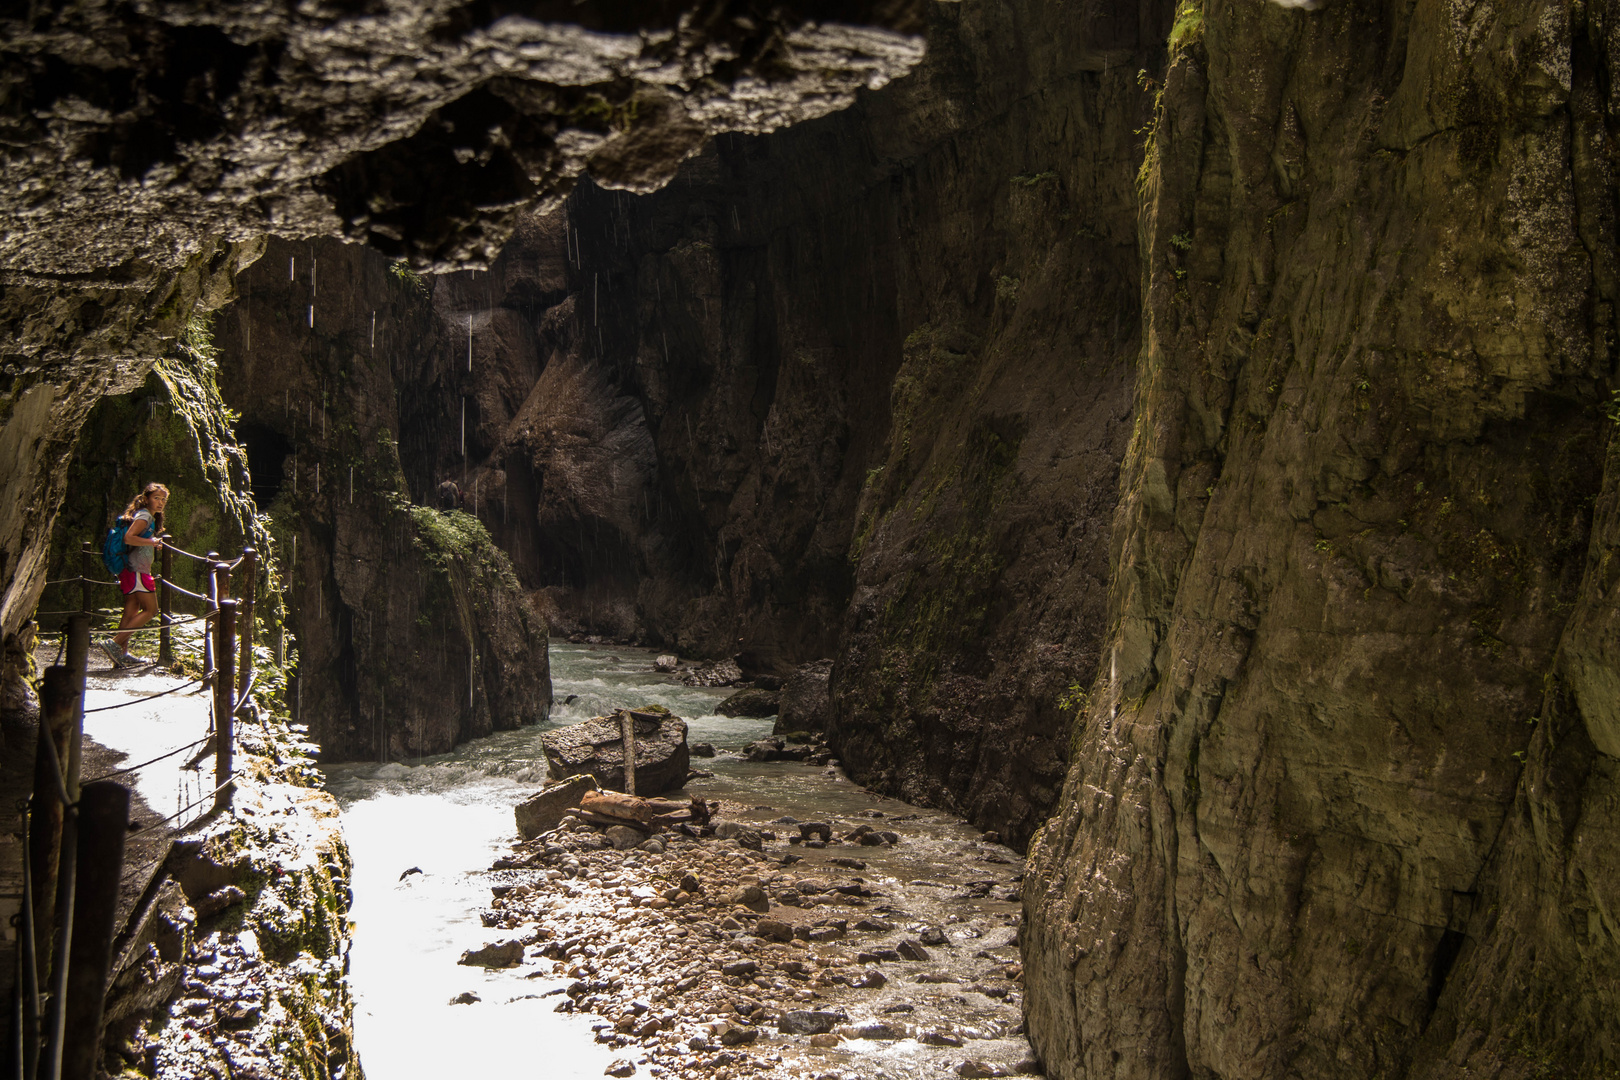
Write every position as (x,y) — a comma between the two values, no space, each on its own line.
(774,948)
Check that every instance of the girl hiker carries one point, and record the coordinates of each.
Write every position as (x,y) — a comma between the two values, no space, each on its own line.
(145,517)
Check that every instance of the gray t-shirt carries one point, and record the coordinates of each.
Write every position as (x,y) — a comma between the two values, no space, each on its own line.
(140,558)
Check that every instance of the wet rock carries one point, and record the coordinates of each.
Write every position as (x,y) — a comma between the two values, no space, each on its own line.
(621,1067)
(544,810)
(597,747)
(726,830)
(871,980)
(740,968)
(739,1036)
(750,703)
(848,864)
(825,1042)
(466,997)
(820,830)
(218,900)
(939,1038)
(876,1029)
(763,750)
(496,955)
(979,1070)
(877,956)
(623,837)
(809,1022)
(933,935)
(701,749)
(775,930)
(912,950)
(666,662)
(751,840)
(804,702)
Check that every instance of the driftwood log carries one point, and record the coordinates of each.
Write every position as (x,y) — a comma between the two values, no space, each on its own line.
(614,805)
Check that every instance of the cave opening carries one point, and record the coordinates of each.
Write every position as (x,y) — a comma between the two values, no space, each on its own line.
(267,452)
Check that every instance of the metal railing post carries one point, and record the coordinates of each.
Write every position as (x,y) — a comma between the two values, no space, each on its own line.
(224,703)
(244,632)
(165,606)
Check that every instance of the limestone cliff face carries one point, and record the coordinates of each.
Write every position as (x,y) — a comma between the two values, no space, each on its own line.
(412,631)
(1342,801)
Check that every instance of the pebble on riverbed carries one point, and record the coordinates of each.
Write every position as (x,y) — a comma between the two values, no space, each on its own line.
(733,954)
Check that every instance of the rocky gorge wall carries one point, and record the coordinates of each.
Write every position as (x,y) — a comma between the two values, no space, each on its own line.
(413,635)
(1342,799)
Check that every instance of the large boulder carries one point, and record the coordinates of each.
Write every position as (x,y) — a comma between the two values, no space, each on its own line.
(542,811)
(751,703)
(596,747)
(805,704)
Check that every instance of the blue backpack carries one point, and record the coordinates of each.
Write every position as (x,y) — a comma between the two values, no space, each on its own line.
(115,549)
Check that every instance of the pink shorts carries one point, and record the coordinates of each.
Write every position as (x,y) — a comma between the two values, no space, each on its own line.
(131,582)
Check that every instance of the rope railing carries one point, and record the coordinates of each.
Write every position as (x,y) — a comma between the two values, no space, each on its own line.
(187,554)
(150,761)
(145,697)
(182,591)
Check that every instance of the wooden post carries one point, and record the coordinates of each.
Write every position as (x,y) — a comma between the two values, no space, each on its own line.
(224,703)
(103,820)
(45,823)
(244,632)
(78,665)
(26,1019)
(78,653)
(222,575)
(627,725)
(165,606)
(210,583)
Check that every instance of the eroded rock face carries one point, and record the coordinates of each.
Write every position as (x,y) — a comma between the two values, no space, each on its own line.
(1344,760)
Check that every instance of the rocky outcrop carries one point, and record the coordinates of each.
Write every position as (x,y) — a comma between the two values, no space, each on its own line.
(805,704)
(413,633)
(1341,803)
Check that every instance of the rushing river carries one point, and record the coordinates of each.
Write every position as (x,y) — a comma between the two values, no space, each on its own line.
(449,816)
